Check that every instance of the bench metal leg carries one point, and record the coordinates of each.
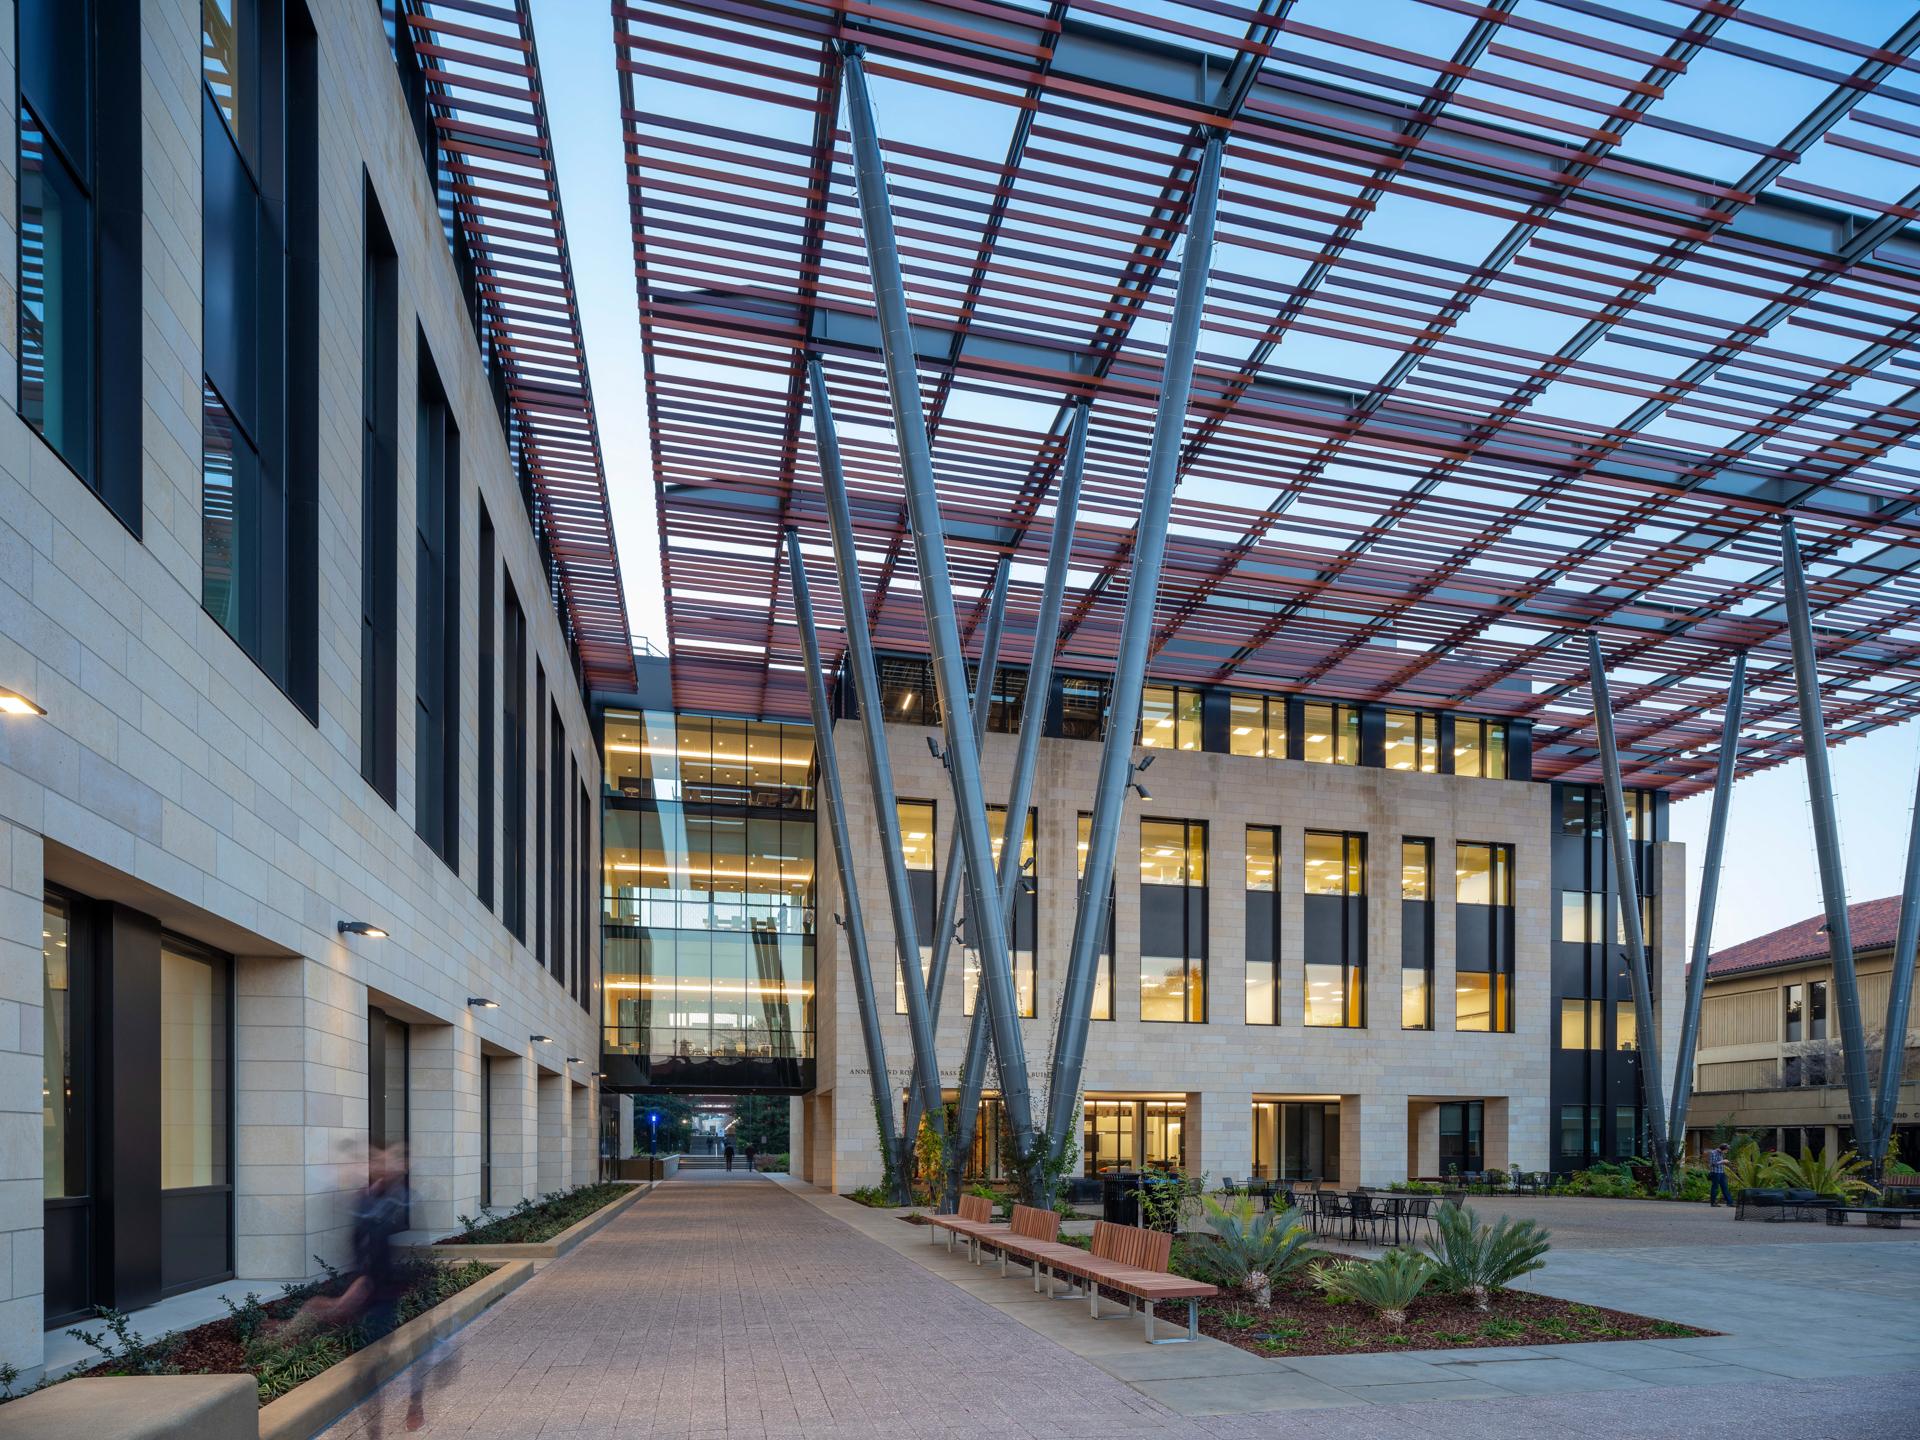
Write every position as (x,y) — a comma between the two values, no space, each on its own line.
(1193,1325)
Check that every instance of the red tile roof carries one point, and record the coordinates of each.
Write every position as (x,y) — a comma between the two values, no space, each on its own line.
(1872,922)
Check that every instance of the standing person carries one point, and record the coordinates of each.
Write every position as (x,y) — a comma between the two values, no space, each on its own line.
(752,1151)
(729,1156)
(1717,1176)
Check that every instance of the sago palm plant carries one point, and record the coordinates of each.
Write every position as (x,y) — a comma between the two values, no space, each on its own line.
(1844,1177)
(1478,1259)
(1386,1286)
(1250,1249)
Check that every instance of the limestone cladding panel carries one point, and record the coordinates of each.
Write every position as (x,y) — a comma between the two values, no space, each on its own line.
(169,758)
(1225,1057)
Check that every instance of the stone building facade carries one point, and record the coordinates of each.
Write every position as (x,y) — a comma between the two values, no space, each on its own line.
(182,832)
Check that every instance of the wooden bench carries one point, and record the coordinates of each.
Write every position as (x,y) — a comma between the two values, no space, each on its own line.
(1134,1262)
(1032,1235)
(974,1219)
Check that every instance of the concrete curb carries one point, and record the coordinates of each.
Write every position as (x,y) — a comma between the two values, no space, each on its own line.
(308,1409)
(547,1249)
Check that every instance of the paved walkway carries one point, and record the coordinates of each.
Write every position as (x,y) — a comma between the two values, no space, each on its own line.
(733,1306)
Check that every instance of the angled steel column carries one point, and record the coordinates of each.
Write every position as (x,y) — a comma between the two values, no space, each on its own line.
(1703,917)
(1621,843)
(1826,834)
(873,725)
(1130,668)
(949,911)
(842,850)
(1893,1042)
(1033,714)
(936,596)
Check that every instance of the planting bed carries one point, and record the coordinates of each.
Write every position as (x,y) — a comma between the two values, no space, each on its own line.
(256,1339)
(536,1223)
(1302,1321)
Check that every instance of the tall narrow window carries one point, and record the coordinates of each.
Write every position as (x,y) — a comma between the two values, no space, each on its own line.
(379,502)
(1263,924)
(436,579)
(1257,725)
(1483,944)
(923,879)
(1332,734)
(1173,921)
(1102,1004)
(513,763)
(196,1113)
(557,860)
(1169,718)
(259,330)
(1796,1006)
(1336,929)
(1412,741)
(1416,934)
(1817,1010)
(585,929)
(485,777)
(538,736)
(1022,919)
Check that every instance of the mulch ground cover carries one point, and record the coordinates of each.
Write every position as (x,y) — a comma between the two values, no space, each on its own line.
(537,1223)
(1302,1321)
(280,1355)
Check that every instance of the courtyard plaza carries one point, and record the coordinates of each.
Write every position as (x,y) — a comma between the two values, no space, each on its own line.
(729,1305)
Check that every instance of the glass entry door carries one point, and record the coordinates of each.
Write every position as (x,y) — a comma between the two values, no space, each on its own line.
(1460,1137)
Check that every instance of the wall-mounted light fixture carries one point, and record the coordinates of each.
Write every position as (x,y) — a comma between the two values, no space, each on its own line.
(573,1059)
(480,1002)
(541,1039)
(12,702)
(361,927)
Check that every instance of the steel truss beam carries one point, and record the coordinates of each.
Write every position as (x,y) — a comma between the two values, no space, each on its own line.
(1033,711)
(829,761)
(1703,917)
(873,725)
(1826,833)
(936,597)
(1627,888)
(1136,635)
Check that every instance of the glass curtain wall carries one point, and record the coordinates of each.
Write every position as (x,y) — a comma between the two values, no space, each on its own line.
(1173,921)
(708,907)
(1103,977)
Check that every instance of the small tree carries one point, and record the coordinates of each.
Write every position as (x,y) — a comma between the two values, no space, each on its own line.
(1479,1260)
(760,1123)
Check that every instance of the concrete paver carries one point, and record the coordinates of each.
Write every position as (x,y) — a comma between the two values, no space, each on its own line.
(734,1307)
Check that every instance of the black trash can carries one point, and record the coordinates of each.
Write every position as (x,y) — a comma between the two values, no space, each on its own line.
(1120,1196)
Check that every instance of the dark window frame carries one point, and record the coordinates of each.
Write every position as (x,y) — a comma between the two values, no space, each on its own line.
(436,579)
(379,502)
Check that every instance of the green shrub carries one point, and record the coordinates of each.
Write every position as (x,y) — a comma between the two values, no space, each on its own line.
(1250,1249)
(533,1222)
(1386,1286)
(1844,1177)
(872,1195)
(1477,1259)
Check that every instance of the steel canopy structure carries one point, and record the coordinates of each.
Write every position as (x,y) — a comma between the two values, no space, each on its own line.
(1528,320)
(494,151)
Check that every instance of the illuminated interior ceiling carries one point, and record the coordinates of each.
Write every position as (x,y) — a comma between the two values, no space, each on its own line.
(497,176)
(1510,338)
